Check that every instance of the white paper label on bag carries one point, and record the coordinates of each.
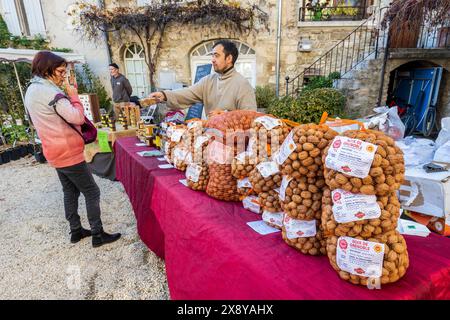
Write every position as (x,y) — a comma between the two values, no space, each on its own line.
(184,182)
(268,122)
(193,172)
(348,207)
(177,134)
(162,159)
(268,168)
(353,157)
(299,228)
(244,183)
(199,141)
(194,124)
(167,159)
(241,156)
(251,203)
(286,149)
(284,184)
(275,218)
(359,257)
(180,154)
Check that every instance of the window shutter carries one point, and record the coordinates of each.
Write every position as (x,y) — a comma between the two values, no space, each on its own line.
(11,18)
(35,18)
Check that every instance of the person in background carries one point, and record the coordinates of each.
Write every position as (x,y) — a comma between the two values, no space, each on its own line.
(121,88)
(62,146)
(227,89)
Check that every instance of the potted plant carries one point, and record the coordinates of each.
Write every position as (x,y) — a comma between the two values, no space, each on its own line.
(39,154)
(318,9)
(344,12)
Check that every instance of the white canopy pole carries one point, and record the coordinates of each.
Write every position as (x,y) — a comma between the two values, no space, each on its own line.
(18,82)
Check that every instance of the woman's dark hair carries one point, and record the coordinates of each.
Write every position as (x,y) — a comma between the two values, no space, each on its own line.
(45,63)
(228,48)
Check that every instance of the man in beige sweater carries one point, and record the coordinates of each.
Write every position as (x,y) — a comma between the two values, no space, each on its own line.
(225,90)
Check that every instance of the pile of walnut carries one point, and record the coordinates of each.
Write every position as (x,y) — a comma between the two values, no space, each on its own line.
(395,262)
(390,212)
(242,165)
(199,180)
(385,176)
(231,129)
(303,193)
(194,130)
(268,133)
(311,245)
(221,184)
(387,171)
(181,157)
(306,159)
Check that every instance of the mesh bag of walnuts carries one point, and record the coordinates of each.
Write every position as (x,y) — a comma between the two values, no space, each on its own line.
(390,263)
(221,185)
(174,137)
(181,157)
(194,129)
(269,201)
(301,152)
(242,165)
(265,176)
(376,167)
(229,134)
(305,236)
(358,215)
(232,128)
(199,148)
(267,135)
(197,176)
(244,187)
(302,197)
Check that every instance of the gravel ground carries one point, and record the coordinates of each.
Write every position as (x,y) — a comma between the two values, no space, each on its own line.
(37,260)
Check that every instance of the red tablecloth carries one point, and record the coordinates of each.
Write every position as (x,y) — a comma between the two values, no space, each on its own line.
(211,253)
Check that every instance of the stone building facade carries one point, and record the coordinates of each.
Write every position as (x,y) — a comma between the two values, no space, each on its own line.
(179,53)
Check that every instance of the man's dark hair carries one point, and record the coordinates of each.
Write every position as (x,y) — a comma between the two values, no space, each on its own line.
(228,48)
(45,62)
(114,65)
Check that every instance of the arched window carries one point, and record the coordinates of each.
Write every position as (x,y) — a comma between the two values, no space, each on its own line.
(136,70)
(245,64)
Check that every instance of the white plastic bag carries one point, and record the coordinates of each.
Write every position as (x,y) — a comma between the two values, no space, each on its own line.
(442,154)
(387,121)
(444,134)
(416,151)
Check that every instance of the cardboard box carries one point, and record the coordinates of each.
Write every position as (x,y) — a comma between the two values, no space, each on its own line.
(428,194)
(435,224)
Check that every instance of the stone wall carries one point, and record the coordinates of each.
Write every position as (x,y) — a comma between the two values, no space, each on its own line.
(180,40)
(361,86)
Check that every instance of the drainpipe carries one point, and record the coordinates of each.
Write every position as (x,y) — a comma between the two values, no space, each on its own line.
(101,4)
(383,69)
(278,49)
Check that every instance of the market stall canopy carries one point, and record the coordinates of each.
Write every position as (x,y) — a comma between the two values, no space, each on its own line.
(27,55)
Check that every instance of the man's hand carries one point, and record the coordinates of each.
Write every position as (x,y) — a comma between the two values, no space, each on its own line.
(159,96)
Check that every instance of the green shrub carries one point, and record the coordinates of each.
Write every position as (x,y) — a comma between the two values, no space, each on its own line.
(321,82)
(265,96)
(309,106)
